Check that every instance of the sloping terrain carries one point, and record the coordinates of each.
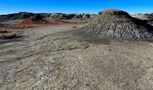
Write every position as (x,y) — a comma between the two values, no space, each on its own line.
(117,24)
(146,17)
(58,58)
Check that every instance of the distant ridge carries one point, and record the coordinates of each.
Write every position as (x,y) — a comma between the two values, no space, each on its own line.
(147,17)
(27,15)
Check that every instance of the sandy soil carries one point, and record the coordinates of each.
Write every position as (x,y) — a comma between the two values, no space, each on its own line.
(57,58)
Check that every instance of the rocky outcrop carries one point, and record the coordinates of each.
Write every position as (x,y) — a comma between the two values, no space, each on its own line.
(117,24)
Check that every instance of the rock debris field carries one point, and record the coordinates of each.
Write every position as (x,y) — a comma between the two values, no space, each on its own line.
(113,52)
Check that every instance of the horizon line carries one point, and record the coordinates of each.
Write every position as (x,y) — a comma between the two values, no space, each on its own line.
(63,12)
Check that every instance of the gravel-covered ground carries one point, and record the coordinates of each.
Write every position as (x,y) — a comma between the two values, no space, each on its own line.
(57,58)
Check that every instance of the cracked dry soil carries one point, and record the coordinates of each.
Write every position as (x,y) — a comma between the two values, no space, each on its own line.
(55,58)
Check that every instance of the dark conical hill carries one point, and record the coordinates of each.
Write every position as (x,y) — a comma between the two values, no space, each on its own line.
(117,24)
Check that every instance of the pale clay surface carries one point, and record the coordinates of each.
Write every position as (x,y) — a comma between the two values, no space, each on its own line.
(55,58)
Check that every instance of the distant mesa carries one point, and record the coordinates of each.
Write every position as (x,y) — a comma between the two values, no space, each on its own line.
(118,24)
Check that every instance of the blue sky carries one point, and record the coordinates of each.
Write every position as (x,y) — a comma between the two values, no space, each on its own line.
(74,6)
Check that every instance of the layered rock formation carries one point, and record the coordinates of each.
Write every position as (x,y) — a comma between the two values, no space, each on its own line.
(117,24)
(27,15)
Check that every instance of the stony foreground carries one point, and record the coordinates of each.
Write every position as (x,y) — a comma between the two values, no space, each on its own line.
(57,58)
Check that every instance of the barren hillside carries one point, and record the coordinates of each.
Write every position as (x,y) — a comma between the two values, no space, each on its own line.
(58,58)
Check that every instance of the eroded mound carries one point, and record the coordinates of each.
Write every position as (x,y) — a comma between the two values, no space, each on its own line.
(117,24)
(113,12)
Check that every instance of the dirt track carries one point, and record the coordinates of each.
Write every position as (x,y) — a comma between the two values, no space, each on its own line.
(56,58)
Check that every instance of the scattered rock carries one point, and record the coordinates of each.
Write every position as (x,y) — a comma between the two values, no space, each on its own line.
(3,31)
(74,27)
(8,36)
